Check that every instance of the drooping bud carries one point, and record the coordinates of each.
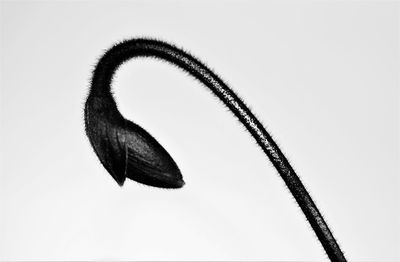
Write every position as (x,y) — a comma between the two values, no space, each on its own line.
(125,149)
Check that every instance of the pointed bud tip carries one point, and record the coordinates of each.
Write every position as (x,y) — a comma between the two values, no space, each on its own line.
(157,179)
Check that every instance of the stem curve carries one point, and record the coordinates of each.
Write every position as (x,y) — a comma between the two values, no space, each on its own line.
(118,54)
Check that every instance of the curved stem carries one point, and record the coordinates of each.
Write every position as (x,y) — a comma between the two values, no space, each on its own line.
(118,54)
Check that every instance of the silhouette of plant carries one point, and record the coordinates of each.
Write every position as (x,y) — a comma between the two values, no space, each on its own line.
(127,150)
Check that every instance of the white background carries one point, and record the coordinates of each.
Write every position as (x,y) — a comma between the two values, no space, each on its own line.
(322,76)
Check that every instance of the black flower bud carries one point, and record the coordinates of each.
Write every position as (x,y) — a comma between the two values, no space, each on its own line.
(125,149)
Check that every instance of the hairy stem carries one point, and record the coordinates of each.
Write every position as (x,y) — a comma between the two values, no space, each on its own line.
(121,52)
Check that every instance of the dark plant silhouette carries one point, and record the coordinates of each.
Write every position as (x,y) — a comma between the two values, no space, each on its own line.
(127,150)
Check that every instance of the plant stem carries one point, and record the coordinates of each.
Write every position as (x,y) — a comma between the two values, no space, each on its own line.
(123,51)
